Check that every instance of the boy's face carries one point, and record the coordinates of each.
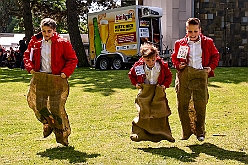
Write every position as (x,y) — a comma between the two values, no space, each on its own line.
(47,32)
(193,32)
(150,62)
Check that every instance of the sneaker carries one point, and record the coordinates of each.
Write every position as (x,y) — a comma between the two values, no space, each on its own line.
(62,140)
(201,138)
(134,137)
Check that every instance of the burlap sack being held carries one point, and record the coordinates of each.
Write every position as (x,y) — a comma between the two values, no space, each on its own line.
(192,95)
(47,96)
(152,122)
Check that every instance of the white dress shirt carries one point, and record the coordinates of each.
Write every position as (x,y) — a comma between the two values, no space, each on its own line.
(46,56)
(152,74)
(195,54)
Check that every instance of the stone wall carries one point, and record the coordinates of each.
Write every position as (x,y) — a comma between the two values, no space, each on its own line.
(226,21)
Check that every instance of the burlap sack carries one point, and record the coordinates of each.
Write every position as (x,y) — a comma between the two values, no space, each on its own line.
(47,96)
(152,122)
(192,95)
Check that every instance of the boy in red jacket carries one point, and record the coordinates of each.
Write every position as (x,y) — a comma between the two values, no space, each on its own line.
(151,75)
(195,57)
(51,59)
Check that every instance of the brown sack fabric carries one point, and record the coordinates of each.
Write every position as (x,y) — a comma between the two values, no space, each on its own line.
(192,100)
(47,96)
(152,122)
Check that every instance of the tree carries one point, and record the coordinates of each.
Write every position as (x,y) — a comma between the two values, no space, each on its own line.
(27,16)
(65,13)
(8,9)
(75,37)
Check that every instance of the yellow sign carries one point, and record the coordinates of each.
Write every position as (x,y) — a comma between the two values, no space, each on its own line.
(125,27)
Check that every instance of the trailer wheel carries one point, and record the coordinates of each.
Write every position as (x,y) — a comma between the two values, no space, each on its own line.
(117,63)
(103,63)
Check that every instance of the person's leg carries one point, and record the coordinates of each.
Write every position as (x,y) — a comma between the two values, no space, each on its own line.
(200,97)
(183,98)
(1,59)
(41,102)
(22,62)
(57,100)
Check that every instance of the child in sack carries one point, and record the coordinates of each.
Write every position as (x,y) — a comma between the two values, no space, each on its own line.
(151,75)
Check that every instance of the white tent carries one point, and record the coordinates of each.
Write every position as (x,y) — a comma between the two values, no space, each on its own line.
(10,40)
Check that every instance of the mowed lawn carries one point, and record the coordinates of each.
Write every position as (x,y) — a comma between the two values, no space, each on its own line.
(101,109)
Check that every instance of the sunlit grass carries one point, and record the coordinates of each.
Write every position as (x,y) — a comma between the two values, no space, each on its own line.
(101,108)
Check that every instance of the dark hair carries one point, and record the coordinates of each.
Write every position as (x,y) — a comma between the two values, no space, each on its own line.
(148,50)
(48,22)
(193,21)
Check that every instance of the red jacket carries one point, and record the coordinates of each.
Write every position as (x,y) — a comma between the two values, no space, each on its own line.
(63,57)
(164,78)
(210,54)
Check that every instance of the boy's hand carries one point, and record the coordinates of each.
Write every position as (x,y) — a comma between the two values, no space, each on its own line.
(138,86)
(208,69)
(162,86)
(62,75)
(32,71)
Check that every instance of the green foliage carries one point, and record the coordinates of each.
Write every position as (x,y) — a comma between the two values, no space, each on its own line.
(12,26)
(83,28)
(101,108)
(11,13)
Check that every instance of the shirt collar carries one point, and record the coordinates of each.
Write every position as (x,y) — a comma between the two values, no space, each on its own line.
(199,40)
(49,41)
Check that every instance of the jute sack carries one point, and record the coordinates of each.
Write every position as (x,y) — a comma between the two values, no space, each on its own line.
(152,123)
(47,96)
(192,94)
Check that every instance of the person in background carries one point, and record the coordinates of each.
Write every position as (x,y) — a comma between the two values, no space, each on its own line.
(22,48)
(1,55)
(11,58)
(195,57)
(51,59)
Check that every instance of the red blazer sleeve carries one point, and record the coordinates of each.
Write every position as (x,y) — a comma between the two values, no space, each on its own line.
(214,58)
(132,75)
(175,60)
(26,59)
(165,75)
(70,58)
(211,56)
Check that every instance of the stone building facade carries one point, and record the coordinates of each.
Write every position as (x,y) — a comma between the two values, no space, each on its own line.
(226,21)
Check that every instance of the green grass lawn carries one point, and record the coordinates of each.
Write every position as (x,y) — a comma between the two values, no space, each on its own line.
(101,108)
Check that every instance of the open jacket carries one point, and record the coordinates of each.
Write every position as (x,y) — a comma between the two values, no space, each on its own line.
(164,78)
(63,57)
(210,54)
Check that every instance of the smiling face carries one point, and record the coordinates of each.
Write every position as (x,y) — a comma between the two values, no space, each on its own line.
(150,62)
(47,32)
(193,32)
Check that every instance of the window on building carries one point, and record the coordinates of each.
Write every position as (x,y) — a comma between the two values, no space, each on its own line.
(131,2)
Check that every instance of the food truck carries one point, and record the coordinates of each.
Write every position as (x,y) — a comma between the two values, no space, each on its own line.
(115,35)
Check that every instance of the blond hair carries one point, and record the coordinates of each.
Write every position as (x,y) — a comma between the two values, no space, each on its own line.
(48,22)
(148,50)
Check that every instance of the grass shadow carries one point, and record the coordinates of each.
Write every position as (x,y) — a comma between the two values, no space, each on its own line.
(233,75)
(219,153)
(90,79)
(172,152)
(67,153)
(226,75)
(14,75)
(105,82)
